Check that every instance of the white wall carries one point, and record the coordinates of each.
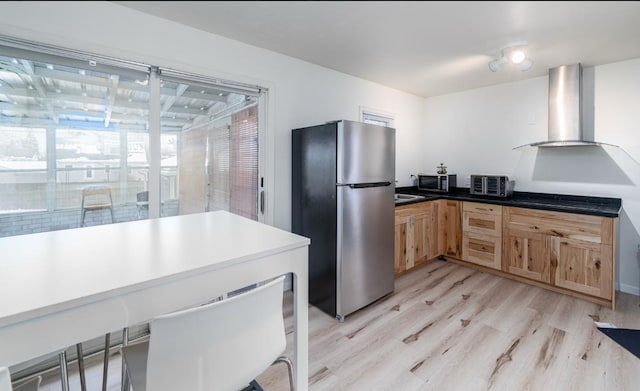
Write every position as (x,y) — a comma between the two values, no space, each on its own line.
(300,93)
(475,131)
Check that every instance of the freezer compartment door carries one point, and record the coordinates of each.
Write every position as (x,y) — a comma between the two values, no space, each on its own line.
(366,153)
(365,246)
(313,207)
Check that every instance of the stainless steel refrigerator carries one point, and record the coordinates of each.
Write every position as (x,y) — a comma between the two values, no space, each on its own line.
(343,184)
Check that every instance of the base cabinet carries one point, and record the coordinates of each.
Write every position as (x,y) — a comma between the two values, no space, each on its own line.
(565,250)
(416,235)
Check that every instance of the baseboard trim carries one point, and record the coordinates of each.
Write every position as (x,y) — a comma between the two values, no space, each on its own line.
(634,290)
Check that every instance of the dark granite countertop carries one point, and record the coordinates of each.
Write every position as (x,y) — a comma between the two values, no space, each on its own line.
(597,206)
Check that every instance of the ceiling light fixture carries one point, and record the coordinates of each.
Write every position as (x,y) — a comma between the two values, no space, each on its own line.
(513,54)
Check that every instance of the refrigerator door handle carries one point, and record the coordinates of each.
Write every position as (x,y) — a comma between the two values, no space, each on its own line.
(365,185)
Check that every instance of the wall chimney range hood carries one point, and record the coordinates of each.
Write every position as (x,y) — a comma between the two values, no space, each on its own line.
(565,110)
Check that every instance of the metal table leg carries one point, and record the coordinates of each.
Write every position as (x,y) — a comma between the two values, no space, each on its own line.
(125,377)
(83,381)
(105,367)
(64,374)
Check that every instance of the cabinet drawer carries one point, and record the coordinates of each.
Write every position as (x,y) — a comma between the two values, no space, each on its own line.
(483,219)
(413,209)
(485,250)
(482,223)
(586,228)
(482,208)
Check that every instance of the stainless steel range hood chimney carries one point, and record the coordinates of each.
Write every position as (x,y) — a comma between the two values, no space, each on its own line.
(565,109)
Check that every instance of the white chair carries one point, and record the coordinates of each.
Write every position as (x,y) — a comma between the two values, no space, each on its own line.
(5,379)
(219,346)
(5,382)
(142,203)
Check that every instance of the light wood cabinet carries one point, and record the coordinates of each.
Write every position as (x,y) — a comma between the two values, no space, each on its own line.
(450,233)
(416,234)
(426,230)
(527,254)
(400,244)
(566,250)
(583,267)
(482,234)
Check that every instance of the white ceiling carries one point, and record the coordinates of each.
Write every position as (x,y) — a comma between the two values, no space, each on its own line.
(425,48)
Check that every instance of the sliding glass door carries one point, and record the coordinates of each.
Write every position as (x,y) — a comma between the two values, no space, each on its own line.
(68,125)
(214,165)
(161,142)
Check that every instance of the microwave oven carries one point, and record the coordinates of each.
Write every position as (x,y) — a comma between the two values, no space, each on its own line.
(436,182)
(491,185)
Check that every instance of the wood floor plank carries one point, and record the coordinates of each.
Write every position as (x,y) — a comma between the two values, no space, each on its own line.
(457,365)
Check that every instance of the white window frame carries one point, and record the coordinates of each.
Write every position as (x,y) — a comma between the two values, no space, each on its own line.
(376,116)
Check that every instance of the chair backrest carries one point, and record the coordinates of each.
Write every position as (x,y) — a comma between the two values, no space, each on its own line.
(32,385)
(142,196)
(96,190)
(221,346)
(5,382)
(96,194)
(5,379)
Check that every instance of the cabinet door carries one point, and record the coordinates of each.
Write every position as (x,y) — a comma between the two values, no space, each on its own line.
(450,224)
(426,233)
(583,267)
(403,243)
(420,237)
(527,254)
(433,231)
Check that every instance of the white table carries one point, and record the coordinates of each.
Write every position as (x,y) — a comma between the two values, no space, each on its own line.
(63,287)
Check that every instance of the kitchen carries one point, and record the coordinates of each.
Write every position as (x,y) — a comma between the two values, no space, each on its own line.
(472,130)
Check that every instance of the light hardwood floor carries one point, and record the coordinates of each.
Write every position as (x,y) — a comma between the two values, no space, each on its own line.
(449,327)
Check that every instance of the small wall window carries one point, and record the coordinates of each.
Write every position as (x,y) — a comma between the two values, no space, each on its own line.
(376,117)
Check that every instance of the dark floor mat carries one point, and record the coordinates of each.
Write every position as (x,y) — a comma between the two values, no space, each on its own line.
(627,338)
